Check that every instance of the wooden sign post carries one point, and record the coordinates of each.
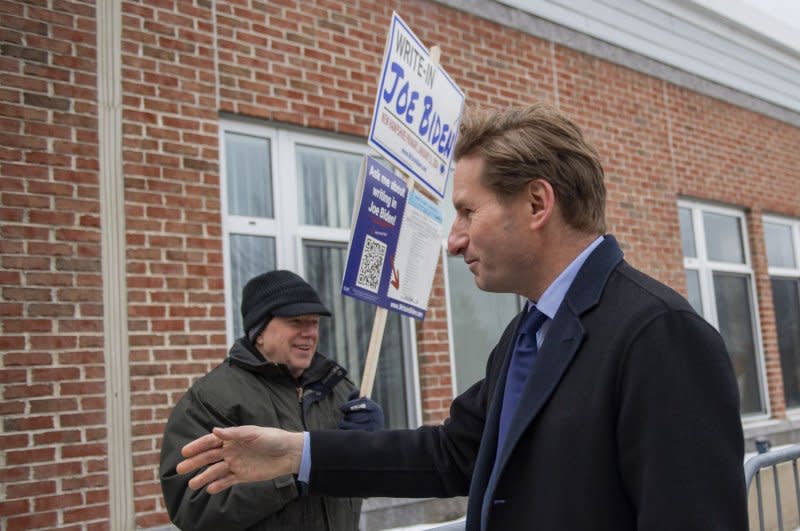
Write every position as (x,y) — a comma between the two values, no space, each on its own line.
(379,324)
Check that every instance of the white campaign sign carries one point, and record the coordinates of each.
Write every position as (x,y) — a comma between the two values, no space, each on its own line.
(417,110)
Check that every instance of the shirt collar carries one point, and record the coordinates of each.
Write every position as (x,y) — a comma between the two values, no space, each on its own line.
(554,295)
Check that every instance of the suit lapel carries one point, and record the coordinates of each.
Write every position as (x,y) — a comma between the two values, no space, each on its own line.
(559,348)
(488,447)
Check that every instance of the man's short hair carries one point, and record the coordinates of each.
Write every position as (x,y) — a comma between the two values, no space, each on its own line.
(519,145)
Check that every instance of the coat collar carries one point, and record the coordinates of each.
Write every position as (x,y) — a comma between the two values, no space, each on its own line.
(585,291)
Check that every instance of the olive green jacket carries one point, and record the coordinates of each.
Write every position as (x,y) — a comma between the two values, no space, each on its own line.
(247,389)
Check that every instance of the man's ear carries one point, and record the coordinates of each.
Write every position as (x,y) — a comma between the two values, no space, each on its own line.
(540,199)
(259,342)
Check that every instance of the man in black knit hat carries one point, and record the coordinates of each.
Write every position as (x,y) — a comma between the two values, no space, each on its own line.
(273,376)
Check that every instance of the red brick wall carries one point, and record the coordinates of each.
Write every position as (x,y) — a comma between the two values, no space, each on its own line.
(175,276)
(435,376)
(51,363)
(312,64)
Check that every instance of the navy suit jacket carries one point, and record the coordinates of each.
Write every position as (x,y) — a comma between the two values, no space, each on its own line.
(629,421)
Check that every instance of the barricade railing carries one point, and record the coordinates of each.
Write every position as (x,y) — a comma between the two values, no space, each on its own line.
(458,525)
(779,462)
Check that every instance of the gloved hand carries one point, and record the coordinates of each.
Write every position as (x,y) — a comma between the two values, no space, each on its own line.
(361,414)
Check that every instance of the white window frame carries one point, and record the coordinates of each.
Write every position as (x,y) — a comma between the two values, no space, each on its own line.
(794,224)
(706,268)
(786,272)
(289,234)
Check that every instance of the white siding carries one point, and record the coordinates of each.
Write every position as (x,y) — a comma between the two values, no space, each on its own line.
(692,36)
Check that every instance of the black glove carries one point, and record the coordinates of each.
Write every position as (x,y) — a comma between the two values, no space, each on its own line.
(361,414)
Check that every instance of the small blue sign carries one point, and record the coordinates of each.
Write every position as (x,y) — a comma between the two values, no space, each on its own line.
(373,243)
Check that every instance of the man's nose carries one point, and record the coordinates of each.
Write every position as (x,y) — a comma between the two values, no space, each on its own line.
(456,240)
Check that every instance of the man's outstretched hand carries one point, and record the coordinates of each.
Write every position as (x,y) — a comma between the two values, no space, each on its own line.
(239,455)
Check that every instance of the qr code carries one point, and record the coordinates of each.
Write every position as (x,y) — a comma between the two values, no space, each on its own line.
(369,270)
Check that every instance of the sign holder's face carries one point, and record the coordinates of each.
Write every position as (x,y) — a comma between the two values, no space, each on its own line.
(291,341)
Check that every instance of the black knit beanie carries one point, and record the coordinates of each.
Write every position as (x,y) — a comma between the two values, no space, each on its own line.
(281,293)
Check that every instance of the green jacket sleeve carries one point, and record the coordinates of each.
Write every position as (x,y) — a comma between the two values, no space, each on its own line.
(239,507)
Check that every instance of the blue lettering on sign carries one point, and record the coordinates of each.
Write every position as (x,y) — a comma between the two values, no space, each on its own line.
(438,135)
(399,95)
(405,102)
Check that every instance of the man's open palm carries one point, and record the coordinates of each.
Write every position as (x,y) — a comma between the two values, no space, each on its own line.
(239,455)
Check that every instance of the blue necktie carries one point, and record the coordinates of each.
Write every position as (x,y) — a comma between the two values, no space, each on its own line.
(518,371)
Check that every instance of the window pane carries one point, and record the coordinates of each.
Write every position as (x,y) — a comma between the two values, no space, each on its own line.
(734,312)
(250,256)
(780,249)
(326,186)
(693,289)
(723,238)
(687,233)
(478,318)
(345,336)
(248,175)
(786,298)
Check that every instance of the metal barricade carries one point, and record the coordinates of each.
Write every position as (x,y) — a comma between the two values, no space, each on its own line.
(458,525)
(781,464)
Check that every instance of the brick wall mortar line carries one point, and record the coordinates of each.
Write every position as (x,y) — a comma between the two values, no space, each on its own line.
(554,68)
(668,116)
